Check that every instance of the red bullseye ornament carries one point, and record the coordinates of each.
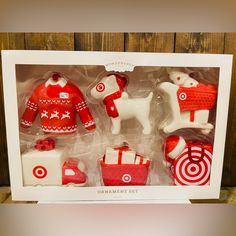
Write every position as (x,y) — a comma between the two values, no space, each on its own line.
(189,163)
(187,172)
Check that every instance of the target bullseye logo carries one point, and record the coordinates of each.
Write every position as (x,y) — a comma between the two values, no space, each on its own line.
(126,178)
(182,96)
(194,171)
(100,87)
(39,172)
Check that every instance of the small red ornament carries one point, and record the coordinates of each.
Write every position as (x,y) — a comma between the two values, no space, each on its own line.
(72,173)
(56,76)
(46,144)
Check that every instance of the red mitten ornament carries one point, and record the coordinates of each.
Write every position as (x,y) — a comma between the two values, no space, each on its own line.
(57,101)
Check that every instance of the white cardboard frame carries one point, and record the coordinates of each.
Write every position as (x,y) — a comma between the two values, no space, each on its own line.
(44,193)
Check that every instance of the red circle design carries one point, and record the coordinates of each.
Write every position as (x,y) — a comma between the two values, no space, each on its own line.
(39,172)
(182,96)
(100,87)
(185,174)
(126,178)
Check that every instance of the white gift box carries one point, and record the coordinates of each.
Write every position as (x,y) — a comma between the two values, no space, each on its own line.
(112,156)
(22,181)
(42,167)
(116,156)
(140,160)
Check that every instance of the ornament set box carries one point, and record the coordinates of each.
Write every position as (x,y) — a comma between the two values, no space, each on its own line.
(115,125)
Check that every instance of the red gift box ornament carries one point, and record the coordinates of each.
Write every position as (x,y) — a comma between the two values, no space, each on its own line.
(189,161)
(123,167)
(46,144)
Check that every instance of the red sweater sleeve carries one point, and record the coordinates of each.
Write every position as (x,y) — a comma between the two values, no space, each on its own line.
(30,112)
(83,110)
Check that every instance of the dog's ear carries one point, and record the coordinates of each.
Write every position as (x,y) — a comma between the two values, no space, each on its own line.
(121,80)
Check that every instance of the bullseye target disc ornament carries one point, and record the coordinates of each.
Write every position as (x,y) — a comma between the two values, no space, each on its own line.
(39,172)
(194,169)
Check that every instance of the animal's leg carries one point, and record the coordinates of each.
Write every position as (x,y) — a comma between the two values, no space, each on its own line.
(171,90)
(115,125)
(145,122)
(201,116)
(174,107)
(174,121)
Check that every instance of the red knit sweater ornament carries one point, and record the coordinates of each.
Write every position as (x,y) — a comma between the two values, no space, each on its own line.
(57,102)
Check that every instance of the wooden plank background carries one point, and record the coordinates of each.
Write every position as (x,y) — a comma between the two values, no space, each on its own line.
(130,42)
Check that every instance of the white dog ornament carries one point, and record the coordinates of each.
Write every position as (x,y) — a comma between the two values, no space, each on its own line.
(188,103)
(118,104)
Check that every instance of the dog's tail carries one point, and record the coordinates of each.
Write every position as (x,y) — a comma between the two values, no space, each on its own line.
(149,97)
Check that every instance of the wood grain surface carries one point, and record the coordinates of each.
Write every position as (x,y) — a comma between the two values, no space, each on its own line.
(130,42)
(99,42)
(199,42)
(149,42)
(49,41)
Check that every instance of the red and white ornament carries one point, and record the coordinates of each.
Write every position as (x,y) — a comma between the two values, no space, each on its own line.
(118,104)
(190,164)
(194,170)
(182,79)
(122,166)
(174,145)
(73,172)
(189,103)
(57,101)
(47,166)
(123,155)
